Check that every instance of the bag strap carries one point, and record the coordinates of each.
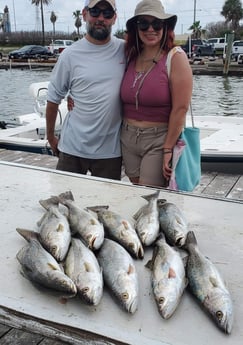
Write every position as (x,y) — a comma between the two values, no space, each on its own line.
(170,54)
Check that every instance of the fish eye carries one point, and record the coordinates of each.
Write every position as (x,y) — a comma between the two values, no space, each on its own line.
(53,249)
(125,295)
(161,300)
(85,290)
(219,315)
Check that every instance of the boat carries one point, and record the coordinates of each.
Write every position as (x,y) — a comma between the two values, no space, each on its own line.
(221,143)
(73,321)
(221,136)
(27,132)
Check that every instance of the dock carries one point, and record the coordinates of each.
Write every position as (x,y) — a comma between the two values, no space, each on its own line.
(213,184)
(199,65)
(16,328)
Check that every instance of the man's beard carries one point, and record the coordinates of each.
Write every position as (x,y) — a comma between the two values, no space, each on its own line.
(98,34)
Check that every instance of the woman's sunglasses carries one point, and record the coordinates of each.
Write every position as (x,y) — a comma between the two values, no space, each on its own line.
(96,12)
(143,24)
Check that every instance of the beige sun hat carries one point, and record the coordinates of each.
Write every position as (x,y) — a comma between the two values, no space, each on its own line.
(92,3)
(152,8)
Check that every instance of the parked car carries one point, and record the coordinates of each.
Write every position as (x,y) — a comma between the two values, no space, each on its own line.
(59,45)
(240,59)
(198,47)
(237,49)
(30,52)
(219,43)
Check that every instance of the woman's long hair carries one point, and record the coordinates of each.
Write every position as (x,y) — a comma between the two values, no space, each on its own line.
(134,45)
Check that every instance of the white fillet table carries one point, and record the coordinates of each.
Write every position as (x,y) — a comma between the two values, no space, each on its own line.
(217,225)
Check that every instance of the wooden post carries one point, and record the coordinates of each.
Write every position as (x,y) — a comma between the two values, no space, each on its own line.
(227,58)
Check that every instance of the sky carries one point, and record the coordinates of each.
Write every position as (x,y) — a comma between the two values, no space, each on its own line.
(23,15)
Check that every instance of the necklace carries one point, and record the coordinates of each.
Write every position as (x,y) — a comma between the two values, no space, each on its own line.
(138,75)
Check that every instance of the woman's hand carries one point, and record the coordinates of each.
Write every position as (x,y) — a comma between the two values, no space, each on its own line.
(167,171)
(70,103)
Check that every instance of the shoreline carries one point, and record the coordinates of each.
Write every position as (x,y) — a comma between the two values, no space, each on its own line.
(200,66)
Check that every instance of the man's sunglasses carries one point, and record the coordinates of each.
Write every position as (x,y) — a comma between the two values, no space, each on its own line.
(96,12)
(143,24)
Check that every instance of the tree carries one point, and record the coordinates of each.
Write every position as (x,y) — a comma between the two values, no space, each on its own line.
(233,12)
(41,3)
(53,19)
(78,21)
(196,29)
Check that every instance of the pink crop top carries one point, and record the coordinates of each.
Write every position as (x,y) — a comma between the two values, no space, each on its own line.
(153,98)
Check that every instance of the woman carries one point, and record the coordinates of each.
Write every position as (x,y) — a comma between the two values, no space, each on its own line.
(154,103)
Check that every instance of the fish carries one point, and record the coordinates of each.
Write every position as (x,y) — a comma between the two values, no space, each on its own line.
(168,277)
(40,267)
(207,285)
(120,230)
(54,231)
(120,274)
(82,266)
(172,223)
(147,220)
(81,221)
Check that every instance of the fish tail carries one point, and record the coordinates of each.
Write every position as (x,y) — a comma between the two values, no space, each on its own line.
(190,240)
(66,196)
(47,203)
(151,196)
(27,234)
(97,208)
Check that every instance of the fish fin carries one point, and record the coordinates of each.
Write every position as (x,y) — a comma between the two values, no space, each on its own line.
(47,203)
(131,269)
(171,273)
(28,234)
(88,267)
(60,227)
(213,281)
(151,196)
(53,267)
(150,263)
(125,224)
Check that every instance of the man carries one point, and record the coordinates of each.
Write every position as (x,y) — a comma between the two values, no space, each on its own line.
(90,71)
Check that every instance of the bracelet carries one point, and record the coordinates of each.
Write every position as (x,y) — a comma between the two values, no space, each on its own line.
(166,150)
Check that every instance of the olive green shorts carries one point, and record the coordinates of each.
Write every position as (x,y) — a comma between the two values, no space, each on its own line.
(142,153)
(107,168)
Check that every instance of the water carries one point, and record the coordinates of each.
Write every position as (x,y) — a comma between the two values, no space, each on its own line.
(212,95)
(217,95)
(14,90)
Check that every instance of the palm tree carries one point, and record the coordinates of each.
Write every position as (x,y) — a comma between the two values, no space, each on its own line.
(53,19)
(196,29)
(41,3)
(233,12)
(78,21)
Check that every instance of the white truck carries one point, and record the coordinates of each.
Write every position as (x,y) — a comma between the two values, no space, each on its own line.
(219,43)
(57,46)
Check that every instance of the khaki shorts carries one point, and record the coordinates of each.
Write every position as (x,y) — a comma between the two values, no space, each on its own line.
(142,153)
